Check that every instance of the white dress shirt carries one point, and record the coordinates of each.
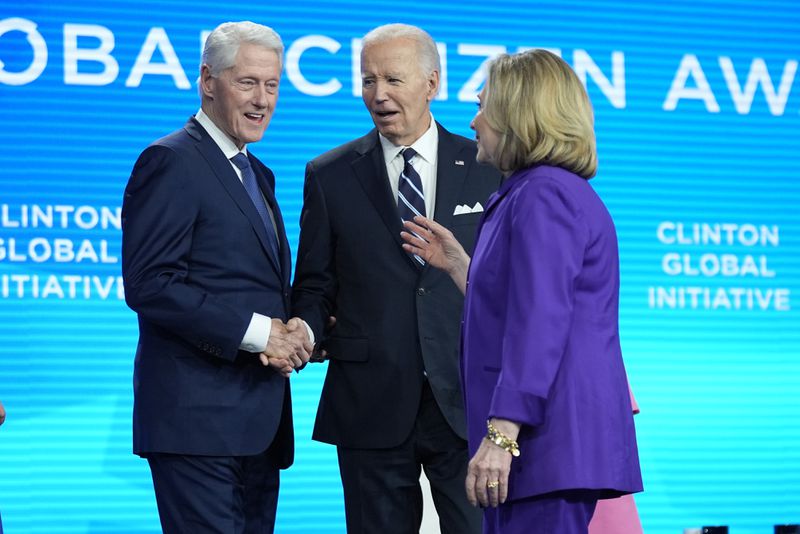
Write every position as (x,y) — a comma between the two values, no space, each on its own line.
(427,148)
(258,331)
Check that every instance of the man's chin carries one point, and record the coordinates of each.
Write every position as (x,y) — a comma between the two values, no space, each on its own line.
(253,137)
(389,132)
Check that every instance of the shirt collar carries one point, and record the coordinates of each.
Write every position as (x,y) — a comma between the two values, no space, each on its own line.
(222,140)
(426,146)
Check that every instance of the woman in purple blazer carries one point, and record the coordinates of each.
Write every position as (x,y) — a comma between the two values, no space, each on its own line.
(548,414)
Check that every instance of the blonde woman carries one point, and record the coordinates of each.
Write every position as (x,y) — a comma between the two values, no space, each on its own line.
(549,418)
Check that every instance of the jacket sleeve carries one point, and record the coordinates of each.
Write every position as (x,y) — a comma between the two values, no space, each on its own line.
(314,287)
(159,214)
(547,241)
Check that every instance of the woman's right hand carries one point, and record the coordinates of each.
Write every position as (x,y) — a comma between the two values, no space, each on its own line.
(437,246)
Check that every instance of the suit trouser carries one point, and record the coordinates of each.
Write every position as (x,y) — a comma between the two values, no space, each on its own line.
(381,486)
(215,494)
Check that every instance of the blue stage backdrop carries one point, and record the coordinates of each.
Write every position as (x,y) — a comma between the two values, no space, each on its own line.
(697,114)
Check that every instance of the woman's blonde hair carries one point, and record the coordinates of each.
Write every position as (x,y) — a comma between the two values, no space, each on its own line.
(541,112)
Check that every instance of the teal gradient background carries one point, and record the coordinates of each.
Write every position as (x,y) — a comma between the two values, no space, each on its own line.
(683,137)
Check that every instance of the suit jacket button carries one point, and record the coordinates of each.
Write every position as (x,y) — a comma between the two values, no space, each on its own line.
(421,291)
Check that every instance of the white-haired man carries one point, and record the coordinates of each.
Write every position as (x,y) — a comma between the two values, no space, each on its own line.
(391,402)
(206,267)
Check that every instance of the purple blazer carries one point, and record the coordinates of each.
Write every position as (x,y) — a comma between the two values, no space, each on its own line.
(540,341)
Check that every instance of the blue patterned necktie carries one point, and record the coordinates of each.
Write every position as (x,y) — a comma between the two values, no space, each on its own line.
(254,192)
(410,198)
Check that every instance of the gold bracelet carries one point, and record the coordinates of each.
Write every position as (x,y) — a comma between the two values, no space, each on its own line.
(501,440)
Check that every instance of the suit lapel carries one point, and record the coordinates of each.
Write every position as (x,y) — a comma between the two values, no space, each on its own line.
(493,200)
(370,169)
(224,172)
(505,186)
(450,178)
(284,264)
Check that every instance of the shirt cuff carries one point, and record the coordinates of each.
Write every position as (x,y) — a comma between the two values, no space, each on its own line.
(257,334)
(310,332)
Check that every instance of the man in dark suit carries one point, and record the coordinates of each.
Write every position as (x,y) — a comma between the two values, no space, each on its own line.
(391,400)
(206,267)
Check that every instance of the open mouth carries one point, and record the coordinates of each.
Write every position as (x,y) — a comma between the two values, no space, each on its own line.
(386,114)
(254,117)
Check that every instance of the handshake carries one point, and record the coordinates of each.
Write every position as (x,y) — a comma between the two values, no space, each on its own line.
(288,347)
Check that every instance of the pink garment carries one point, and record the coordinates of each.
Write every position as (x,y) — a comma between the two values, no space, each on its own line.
(617,516)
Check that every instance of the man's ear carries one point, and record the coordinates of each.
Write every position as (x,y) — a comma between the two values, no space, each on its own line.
(207,82)
(433,85)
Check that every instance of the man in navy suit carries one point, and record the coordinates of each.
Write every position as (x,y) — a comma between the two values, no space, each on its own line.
(206,267)
(392,401)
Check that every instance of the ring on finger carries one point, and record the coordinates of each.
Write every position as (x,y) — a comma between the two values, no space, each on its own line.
(492,485)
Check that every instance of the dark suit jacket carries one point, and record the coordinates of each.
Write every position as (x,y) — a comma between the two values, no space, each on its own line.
(395,318)
(196,266)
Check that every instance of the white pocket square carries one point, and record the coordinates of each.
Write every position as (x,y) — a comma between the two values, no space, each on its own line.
(463,209)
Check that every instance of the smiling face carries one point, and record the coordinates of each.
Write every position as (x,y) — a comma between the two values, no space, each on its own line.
(241,99)
(395,89)
(485,135)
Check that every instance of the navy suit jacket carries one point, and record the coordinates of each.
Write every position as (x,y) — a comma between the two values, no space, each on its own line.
(395,319)
(196,265)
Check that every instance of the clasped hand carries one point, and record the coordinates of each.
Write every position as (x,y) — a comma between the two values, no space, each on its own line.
(288,347)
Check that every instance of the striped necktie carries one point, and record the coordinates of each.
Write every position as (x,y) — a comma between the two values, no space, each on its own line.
(410,198)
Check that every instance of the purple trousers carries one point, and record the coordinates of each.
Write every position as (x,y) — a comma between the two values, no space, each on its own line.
(551,514)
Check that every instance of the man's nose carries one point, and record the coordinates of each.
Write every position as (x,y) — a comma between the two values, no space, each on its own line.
(381,91)
(260,95)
